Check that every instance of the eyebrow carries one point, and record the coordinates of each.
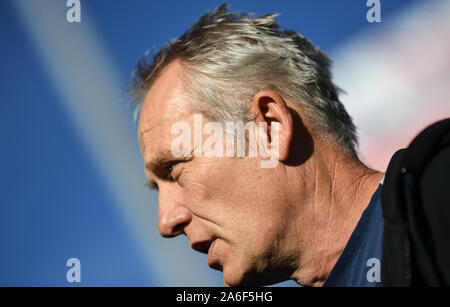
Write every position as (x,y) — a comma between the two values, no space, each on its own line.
(161,159)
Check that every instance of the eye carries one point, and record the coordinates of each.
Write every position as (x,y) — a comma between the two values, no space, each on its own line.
(172,170)
(170,167)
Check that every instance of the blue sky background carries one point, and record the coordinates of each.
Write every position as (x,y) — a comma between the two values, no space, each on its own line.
(55,204)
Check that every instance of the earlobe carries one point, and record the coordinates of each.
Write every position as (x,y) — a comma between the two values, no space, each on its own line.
(270,107)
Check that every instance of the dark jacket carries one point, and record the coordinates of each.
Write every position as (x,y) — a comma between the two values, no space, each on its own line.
(416,211)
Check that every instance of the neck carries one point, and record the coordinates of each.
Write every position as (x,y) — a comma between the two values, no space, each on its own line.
(336,198)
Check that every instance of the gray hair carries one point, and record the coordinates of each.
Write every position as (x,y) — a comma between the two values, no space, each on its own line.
(231,56)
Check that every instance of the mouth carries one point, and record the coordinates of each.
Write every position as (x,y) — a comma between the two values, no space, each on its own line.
(207,247)
(202,246)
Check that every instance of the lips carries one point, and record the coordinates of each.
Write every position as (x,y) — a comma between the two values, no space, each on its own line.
(210,257)
(207,247)
(202,246)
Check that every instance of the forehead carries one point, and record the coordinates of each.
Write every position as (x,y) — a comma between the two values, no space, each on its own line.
(164,104)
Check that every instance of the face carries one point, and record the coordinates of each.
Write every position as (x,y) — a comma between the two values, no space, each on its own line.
(230,208)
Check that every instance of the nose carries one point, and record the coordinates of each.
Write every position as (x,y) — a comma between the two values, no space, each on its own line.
(172,219)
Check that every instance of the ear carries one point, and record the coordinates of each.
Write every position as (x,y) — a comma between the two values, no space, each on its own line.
(268,106)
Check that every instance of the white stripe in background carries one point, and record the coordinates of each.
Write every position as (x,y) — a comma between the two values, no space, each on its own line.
(81,70)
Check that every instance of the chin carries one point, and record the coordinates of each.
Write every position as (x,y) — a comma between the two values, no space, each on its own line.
(232,277)
(236,276)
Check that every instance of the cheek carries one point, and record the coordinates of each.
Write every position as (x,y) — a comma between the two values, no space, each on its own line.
(193,187)
(206,180)
(211,192)
(201,193)
(236,194)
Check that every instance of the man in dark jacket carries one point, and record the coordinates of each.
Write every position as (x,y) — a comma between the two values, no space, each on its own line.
(302,206)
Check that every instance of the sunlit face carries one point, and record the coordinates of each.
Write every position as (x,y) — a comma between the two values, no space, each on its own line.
(230,208)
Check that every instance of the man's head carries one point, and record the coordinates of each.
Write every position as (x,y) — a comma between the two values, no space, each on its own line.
(239,67)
